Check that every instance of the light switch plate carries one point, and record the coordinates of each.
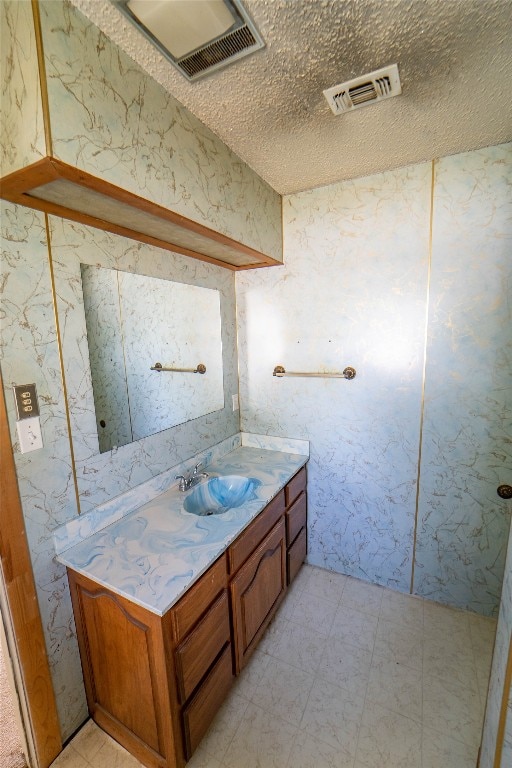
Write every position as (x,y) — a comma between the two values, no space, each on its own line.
(25,399)
(236,405)
(29,434)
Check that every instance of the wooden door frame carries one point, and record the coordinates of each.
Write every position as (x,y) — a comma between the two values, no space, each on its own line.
(23,607)
(507,687)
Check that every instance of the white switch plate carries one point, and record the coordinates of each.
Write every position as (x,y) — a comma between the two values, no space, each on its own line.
(236,404)
(29,434)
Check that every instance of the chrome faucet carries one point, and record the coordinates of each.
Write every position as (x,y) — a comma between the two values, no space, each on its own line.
(193,478)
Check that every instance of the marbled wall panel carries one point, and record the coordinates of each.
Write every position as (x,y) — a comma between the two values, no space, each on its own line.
(30,354)
(111,119)
(22,139)
(498,671)
(105,342)
(352,292)
(103,476)
(179,326)
(467,451)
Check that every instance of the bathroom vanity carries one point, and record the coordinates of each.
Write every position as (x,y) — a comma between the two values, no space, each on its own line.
(156,674)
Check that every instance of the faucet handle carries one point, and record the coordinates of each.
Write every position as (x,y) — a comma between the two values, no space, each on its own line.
(196,468)
(183,483)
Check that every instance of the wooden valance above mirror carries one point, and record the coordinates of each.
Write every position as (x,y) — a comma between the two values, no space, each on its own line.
(57,188)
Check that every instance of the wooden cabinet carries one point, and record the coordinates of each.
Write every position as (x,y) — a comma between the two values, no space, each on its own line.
(256,592)
(203,707)
(198,652)
(155,683)
(129,679)
(296,523)
(245,544)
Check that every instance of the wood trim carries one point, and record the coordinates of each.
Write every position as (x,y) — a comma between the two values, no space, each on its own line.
(23,606)
(43,82)
(507,685)
(16,187)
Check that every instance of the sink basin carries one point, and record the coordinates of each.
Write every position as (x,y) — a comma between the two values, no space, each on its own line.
(219,494)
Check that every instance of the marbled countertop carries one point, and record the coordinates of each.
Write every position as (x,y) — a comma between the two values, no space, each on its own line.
(154,554)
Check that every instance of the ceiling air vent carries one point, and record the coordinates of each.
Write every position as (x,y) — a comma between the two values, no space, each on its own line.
(197,36)
(235,44)
(362,91)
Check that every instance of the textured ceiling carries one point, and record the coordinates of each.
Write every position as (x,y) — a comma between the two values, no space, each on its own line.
(455,63)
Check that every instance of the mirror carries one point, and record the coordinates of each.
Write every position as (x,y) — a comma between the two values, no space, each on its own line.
(134,321)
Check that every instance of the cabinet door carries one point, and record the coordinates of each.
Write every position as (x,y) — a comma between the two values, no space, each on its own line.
(256,592)
(125,672)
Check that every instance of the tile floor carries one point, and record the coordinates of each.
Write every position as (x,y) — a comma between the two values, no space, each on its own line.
(348,675)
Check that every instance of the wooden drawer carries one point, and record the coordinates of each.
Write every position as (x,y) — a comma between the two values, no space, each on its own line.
(197,653)
(198,598)
(256,592)
(247,542)
(296,485)
(204,705)
(296,555)
(296,518)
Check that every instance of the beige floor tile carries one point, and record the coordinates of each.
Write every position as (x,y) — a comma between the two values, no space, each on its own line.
(445,620)
(346,666)
(314,612)
(395,687)
(332,715)
(482,626)
(354,627)
(283,690)
(364,597)
(402,609)
(453,710)
(310,752)
(250,676)
(292,597)
(326,585)
(89,740)
(483,673)
(221,731)
(300,646)
(272,634)
(388,740)
(398,643)
(262,740)
(112,755)
(453,661)
(302,577)
(334,641)
(201,759)
(70,758)
(441,751)
(482,632)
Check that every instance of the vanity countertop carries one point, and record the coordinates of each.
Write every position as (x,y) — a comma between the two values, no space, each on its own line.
(154,554)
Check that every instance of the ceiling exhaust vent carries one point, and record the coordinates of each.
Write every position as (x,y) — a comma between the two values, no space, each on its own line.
(197,36)
(365,90)
(233,45)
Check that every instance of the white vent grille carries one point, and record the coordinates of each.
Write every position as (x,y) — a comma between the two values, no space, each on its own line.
(362,91)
